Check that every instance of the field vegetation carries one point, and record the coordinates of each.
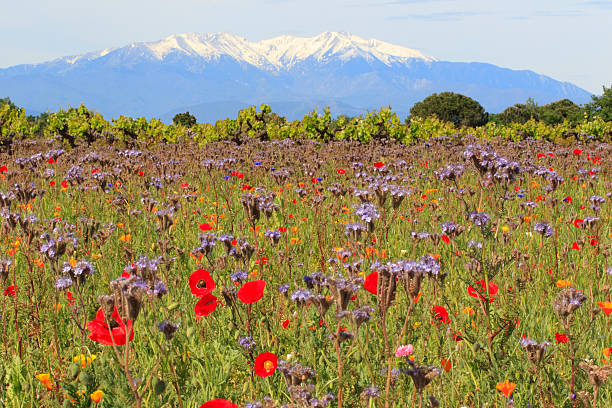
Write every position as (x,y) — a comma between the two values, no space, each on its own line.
(450,271)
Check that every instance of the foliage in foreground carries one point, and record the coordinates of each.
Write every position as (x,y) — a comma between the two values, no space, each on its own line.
(306,274)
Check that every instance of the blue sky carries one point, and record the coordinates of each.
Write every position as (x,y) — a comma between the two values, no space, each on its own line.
(569,40)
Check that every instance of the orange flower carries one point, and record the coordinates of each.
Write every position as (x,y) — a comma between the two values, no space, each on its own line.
(46,380)
(562,283)
(606,307)
(468,311)
(126,238)
(506,388)
(97,395)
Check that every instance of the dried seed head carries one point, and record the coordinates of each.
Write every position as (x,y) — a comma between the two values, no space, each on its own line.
(597,375)
(566,302)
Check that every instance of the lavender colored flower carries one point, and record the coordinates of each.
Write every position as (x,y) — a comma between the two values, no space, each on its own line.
(301,296)
(479,219)
(168,328)
(63,283)
(246,342)
(544,229)
(239,276)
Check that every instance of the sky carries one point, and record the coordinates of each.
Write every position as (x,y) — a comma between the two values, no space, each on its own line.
(568,40)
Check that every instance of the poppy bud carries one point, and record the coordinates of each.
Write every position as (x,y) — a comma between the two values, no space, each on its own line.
(74,370)
(159,386)
(86,379)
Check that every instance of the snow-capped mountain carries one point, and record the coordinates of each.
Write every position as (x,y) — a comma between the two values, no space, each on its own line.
(214,74)
(278,53)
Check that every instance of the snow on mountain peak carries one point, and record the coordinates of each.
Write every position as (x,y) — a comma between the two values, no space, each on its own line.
(275,53)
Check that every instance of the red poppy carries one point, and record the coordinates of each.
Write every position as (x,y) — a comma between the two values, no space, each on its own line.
(206,305)
(286,323)
(371,283)
(577,152)
(540,155)
(70,298)
(445,238)
(378,165)
(593,242)
(52,183)
(140,173)
(265,364)
(568,199)
(3,169)
(201,283)
(575,246)
(51,160)
(441,314)
(561,338)
(205,226)
(341,171)
(184,185)
(578,222)
(10,291)
(100,333)
(493,289)
(218,403)
(252,291)
(64,184)
(446,364)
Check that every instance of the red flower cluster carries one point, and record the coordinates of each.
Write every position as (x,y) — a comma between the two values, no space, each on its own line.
(201,285)
(441,314)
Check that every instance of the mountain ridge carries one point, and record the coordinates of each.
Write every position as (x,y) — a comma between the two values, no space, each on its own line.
(349,72)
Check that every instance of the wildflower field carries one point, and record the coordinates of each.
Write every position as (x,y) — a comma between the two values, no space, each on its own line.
(456,273)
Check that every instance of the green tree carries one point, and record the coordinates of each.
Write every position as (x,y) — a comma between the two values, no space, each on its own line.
(559,112)
(7,101)
(184,119)
(518,113)
(451,107)
(601,106)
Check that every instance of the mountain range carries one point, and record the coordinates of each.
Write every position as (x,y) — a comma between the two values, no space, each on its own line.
(215,75)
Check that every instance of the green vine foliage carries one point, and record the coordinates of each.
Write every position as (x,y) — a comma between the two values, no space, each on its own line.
(83,126)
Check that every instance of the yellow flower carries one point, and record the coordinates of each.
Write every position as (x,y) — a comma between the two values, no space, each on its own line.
(505,228)
(97,395)
(46,380)
(84,360)
(416,325)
